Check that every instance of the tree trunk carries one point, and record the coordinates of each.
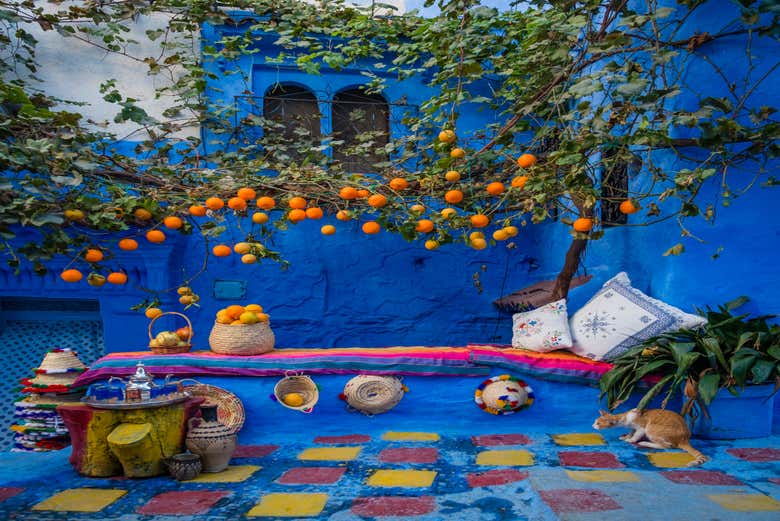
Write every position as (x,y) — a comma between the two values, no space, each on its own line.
(570,266)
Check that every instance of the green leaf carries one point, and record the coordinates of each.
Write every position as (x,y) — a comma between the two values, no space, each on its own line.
(708,387)
(762,370)
(657,388)
(741,366)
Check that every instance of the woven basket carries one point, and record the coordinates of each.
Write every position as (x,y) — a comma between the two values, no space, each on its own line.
(171,350)
(60,361)
(373,394)
(299,384)
(247,339)
(503,394)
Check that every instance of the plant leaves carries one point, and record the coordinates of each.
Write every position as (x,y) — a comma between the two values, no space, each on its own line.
(708,387)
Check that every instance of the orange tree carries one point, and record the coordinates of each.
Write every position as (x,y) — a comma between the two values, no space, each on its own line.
(583,88)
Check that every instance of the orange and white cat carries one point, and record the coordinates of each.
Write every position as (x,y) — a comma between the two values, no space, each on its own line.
(664,429)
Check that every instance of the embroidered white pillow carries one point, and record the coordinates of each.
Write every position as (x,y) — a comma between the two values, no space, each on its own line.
(543,329)
(617,318)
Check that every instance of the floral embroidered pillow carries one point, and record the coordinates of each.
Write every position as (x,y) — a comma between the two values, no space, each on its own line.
(542,329)
(617,318)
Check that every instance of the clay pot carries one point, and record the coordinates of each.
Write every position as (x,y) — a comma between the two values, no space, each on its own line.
(183,466)
(211,439)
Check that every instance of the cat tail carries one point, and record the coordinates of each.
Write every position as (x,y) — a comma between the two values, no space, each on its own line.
(698,457)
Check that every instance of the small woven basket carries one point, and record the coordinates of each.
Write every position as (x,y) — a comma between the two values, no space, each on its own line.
(300,384)
(171,350)
(371,394)
(246,339)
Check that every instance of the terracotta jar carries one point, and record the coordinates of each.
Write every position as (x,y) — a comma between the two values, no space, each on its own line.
(211,440)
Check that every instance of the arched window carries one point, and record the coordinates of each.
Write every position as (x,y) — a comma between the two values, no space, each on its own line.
(361,129)
(291,127)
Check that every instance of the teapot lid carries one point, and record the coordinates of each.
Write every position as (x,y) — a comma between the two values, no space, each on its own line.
(140,374)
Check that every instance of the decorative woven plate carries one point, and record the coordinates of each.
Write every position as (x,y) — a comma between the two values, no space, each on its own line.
(503,394)
(230,410)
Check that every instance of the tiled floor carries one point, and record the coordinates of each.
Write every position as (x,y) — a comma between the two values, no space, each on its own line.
(420,475)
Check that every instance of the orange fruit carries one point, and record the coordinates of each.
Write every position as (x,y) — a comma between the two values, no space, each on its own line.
(457,153)
(511,230)
(479,220)
(314,213)
(628,207)
(117,277)
(234,311)
(74,215)
(377,200)
(262,317)
(328,229)
(248,258)
(71,275)
(495,188)
(237,204)
(447,136)
(155,236)
(583,225)
(128,244)
(479,244)
(259,218)
(247,194)
(526,160)
(173,222)
(500,235)
(153,312)
(476,235)
(223,317)
(242,248)
(362,193)
(371,227)
(142,214)
(296,215)
(215,203)
(398,184)
(184,290)
(449,212)
(93,255)
(266,203)
(519,181)
(424,226)
(431,244)
(453,176)
(236,323)
(348,193)
(453,196)
(197,211)
(297,203)
(343,215)
(247,317)
(254,308)
(221,250)
(417,208)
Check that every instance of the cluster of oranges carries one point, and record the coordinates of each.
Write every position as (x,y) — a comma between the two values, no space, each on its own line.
(95,279)
(236,315)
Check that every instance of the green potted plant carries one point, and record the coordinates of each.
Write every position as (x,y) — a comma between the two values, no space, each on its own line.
(729,370)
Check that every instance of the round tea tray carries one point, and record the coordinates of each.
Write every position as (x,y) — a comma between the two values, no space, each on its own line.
(146,404)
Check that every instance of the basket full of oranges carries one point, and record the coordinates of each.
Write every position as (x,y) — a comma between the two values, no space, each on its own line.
(241,330)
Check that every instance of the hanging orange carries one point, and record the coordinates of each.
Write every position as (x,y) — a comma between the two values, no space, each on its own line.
(583,225)
(117,277)
(215,203)
(297,203)
(93,255)
(478,244)
(628,207)
(237,204)
(371,227)
(447,136)
(221,250)
(348,193)
(453,176)
(247,194)
(71,275)
(173,222)
(343,215)
(398,184)
(377,200)
(128,244)
(519,182)
(155,236)
(479,220)
(495,188)
(457,153)
(142,214)
(424,226)
(197,210)
(453,196)
(314,213)
(259,218)
(526,160)
(266,203)
(362,193)
(328,229)
(449,212)
(296,215)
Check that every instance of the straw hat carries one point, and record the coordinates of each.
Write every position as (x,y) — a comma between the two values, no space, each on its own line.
(59,361)
(297,392)
(503,394)
(45,380)
(371,394)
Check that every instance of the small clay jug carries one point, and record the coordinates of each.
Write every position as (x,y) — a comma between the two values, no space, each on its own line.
(211,439)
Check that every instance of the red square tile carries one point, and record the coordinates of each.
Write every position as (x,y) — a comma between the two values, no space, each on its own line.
(254,451)
(312,475)
(752,454)
(578,500)
(9,492)
(700,477)
(349,438)
(182,502)
(495,477)
(490,440)
(409,455)
(599,460)
(393,506)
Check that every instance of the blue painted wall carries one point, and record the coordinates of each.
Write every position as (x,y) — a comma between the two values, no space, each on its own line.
(353,289)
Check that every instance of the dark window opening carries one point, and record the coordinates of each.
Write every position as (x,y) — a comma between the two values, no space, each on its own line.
(291,123)
(361,129)
(614,189)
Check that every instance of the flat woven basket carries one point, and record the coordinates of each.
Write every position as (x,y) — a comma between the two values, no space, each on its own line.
(246,339)
(171,350)
(230,409)
(371,394)
(299,384)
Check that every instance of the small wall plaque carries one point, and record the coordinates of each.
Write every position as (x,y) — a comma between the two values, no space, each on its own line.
(229,289)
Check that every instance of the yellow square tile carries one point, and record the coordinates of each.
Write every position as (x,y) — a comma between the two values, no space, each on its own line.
(410,436)
(505,457)
(81,500)
(232,474)
(330,453)
(289,505)
(746,502)
(401,478)
(587,438)
(670,460)
(602,476)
